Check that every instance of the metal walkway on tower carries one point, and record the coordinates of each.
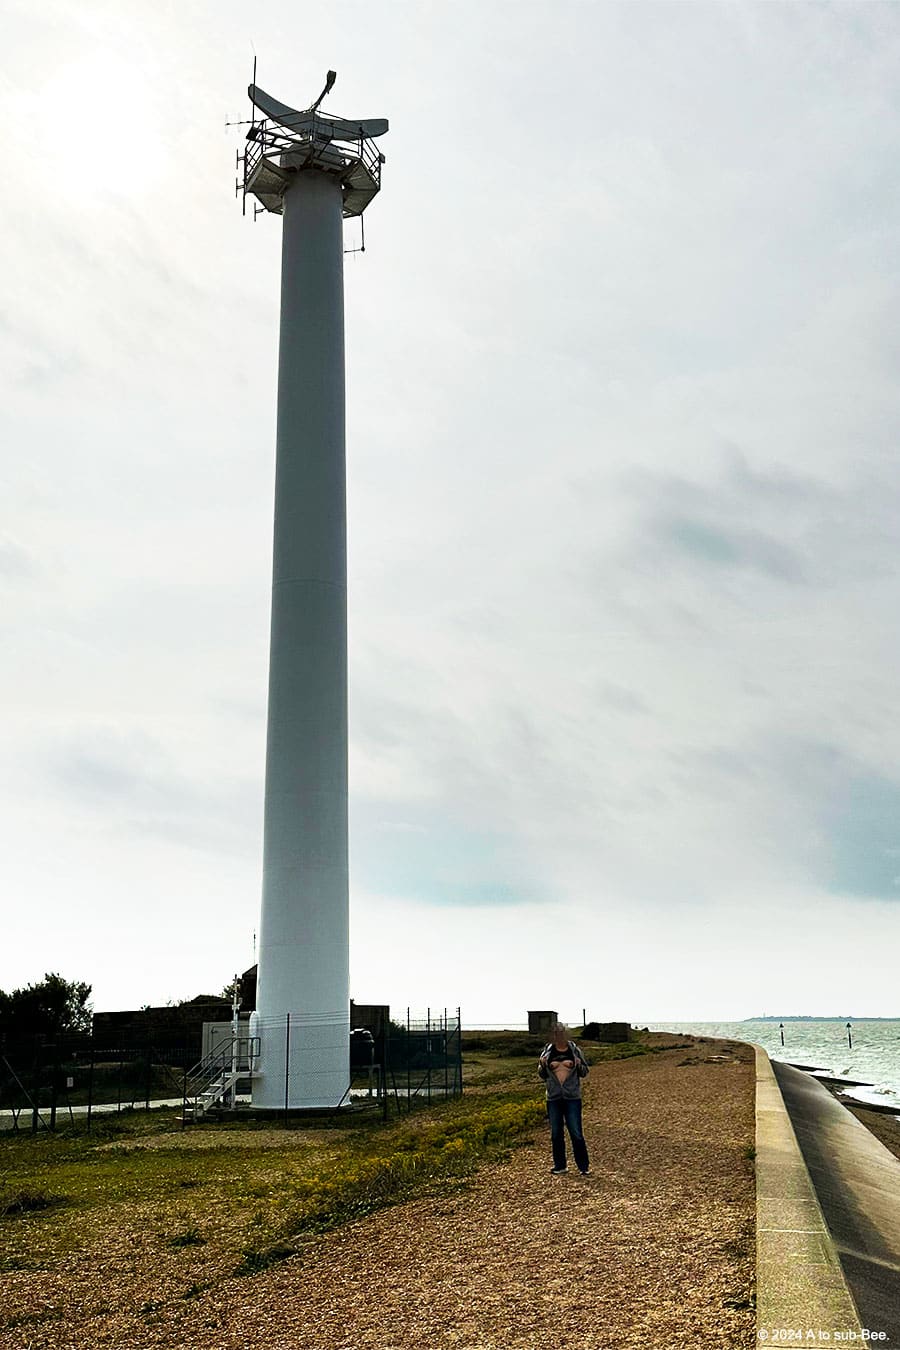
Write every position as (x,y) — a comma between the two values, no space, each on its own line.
(285,142)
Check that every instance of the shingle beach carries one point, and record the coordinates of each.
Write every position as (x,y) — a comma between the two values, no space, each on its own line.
(654,1249)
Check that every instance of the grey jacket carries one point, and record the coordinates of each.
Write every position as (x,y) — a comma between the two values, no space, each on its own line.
(570,1087)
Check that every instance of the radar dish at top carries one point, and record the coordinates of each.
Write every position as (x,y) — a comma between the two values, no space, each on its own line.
(341,128)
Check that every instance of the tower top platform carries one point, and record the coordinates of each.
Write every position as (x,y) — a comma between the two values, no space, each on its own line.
(286,141)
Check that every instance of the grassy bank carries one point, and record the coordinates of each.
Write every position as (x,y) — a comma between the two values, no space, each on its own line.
(138,1195)
(248,1191)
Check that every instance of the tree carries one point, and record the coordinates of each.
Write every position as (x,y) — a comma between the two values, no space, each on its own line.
(52,1007)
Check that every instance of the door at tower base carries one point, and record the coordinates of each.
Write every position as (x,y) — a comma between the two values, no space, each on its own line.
(303,1061)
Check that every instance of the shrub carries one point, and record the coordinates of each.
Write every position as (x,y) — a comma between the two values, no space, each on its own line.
(432,1154)
(259,1259)
(189,1238)
(27,1202)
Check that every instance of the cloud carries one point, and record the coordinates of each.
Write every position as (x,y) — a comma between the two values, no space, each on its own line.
(419,855)
(863,823)
(781,525)
(853,818)
(622,429)
(706,543)
(17,563)
(132,784)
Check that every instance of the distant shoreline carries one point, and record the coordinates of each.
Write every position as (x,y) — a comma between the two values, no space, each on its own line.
(812,1017)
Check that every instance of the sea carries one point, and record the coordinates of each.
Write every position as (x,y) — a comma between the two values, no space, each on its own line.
(873,1058)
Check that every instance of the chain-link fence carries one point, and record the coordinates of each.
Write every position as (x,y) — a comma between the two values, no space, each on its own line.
(48,1081)
(423,1056)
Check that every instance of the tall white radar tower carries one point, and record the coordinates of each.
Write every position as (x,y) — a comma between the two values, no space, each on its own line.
(313,170)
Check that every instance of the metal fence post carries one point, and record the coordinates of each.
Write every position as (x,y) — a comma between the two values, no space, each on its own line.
(36,1086)
(90,1090)
(54,1083)
(287,1066)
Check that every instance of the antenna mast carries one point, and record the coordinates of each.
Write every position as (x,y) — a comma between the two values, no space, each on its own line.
(315,171)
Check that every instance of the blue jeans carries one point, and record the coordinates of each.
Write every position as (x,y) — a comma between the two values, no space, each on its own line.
(565,1113)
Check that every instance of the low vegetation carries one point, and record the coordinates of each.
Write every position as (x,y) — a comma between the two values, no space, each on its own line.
(157,1213)
(26,1202)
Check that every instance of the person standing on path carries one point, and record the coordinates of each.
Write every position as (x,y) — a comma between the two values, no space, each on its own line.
(562,1067)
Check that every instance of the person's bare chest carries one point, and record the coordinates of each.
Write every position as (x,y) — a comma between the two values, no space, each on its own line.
(563,1067)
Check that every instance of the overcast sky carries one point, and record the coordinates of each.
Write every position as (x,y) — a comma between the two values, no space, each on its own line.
(624,501)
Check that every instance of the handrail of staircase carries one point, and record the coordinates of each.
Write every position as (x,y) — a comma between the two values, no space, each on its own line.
(225,1050)
(218,1061)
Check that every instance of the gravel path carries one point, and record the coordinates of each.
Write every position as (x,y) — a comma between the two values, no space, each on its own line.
(654,1249)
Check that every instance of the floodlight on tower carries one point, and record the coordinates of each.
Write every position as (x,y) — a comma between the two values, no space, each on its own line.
(313,170)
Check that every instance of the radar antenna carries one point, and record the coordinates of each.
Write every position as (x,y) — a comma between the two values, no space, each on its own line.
(283,141)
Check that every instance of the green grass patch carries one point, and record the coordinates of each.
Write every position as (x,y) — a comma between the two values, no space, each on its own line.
(252,1193)
(494,1059)
(411,1159)
(244,1194)
(433,1152)
(503,1044)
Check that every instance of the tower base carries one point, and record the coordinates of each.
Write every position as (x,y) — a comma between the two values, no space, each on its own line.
(303,1062)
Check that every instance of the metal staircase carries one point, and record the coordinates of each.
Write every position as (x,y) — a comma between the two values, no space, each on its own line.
(213,1081)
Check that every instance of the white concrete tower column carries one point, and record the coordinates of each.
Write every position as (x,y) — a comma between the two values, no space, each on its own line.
(314,171)
(304,929)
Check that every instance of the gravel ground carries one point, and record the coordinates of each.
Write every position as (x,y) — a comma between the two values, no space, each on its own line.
(654,1249)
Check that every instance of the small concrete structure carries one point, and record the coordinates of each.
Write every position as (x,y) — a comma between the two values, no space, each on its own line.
(610,1033)
(373,1016)
(542,1023)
